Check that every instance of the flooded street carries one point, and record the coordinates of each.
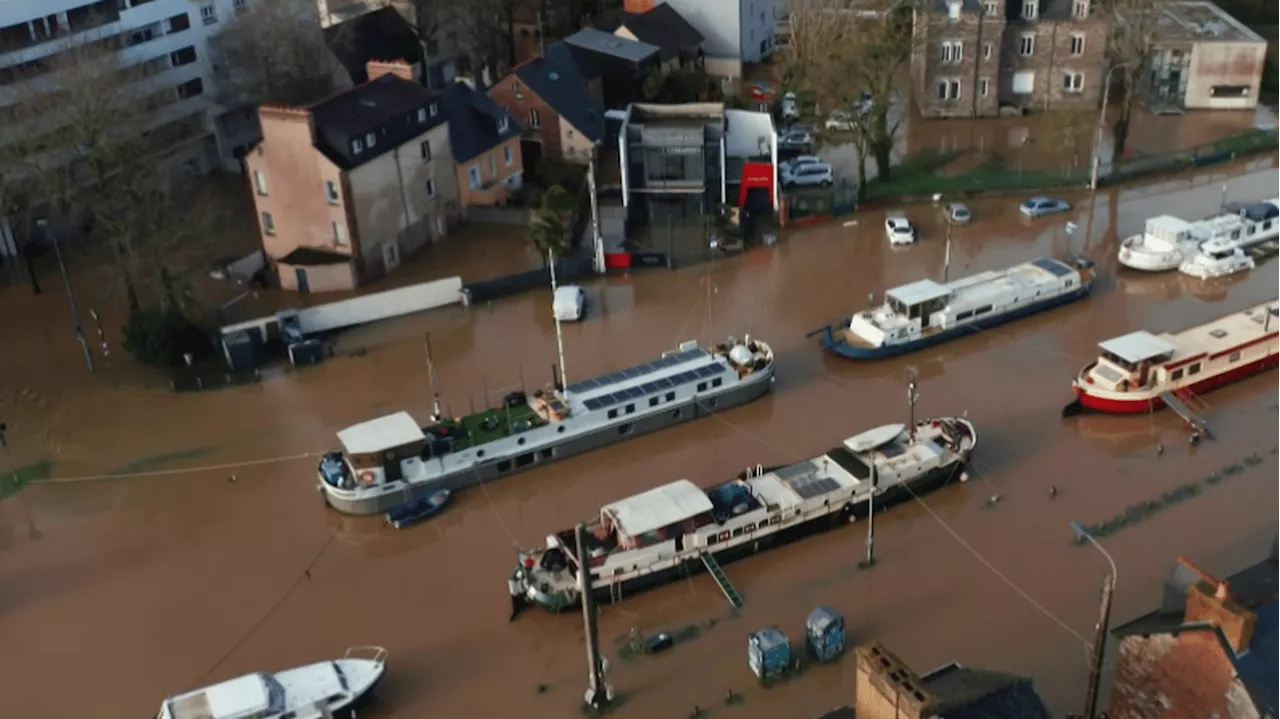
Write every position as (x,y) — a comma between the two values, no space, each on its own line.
(117,592)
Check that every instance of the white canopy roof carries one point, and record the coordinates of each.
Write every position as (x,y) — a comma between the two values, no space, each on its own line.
(237,697)
(918,291)
(658,507)
(376,435)
(1137,346)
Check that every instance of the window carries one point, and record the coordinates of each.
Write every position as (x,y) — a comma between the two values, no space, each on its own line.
(191,88)
(185,56)
(370,140)
(238,4)
(1072,82)
(504,466)
(260,182)
(624,428)
(952,51)
(613,414)
(356,146)
(1080,8)
(178,23)
(493,166)
(653,401)
(209,14)
(990,8)
(268,224)
(331,191)
(525,459)
(548,453)
(1030,8)
(1027,44)
(1175,375)
(422,115)
(671,396)
(339,233)
(1235,357)
(432,109)
(1229,91)
(431,188)
(987,49)
(425,150)
(1077,44)
(535,120)
(948,89)
(1194,369)
(515,90)
(716,382)
(473,177)
(984,87)
(506,156)
(702,386)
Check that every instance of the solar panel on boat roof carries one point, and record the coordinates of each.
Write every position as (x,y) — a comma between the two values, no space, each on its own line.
(812,486)
(1053,267)
(649,387)
(662,383)
(592,404)
(796,470)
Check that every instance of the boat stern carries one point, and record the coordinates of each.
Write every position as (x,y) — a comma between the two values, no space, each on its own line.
(532,583)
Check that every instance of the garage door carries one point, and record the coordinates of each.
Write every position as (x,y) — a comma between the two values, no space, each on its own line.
(1024,81)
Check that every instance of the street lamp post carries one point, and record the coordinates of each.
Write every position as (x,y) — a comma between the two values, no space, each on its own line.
(71,297)
(1102,119)
(1104,618)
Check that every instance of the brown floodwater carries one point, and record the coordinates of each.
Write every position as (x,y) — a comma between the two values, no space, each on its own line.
(115,593)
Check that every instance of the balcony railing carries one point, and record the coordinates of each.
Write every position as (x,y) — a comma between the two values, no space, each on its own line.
(38,32)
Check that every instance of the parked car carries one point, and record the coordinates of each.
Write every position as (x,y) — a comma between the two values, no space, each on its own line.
(1040,206)
(797,161)
(900,231)
(795,141)
(958,214)
(839,121)
(812,174)
(790,108)
(569,304)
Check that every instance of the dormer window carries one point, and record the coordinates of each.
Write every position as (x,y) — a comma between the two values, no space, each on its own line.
(422,115)
(990,9)
(356,146)
(1030,9)
(370,140)
(432,109)
(1080,9)
(504,123)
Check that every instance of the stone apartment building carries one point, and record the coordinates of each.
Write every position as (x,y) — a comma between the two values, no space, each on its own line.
(971,58)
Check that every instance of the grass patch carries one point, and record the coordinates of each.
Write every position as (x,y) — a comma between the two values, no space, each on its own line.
(918,175)
(14,480)
(493,424)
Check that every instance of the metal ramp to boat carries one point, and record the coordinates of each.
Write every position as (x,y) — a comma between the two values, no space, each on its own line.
(713,568)
(1180,402)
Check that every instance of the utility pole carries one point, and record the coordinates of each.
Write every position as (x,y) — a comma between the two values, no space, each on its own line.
(102,339)
(946,260)
(871,519)
(1099,648)
(431,377)
(564,379)
(912,396)
(597,241)
(599,693)
(71,297)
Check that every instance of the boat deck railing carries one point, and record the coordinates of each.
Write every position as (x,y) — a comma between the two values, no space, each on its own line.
(375,654)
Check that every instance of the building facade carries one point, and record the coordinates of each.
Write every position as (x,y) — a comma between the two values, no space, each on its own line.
(734,31)
(348,188)
(486,147)
(556,105)
(673,162)
(971,58)
(1203,59)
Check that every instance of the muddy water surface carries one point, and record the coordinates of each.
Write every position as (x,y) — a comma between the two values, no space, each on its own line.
(127,590)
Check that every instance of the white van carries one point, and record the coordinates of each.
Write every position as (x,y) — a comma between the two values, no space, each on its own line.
(569,303)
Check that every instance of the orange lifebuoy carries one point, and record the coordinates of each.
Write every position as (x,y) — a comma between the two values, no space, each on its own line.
(365,477)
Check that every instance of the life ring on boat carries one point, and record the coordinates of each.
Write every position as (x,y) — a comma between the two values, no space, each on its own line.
(365,477)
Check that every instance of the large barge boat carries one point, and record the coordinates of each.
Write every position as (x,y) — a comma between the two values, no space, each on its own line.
(1166,241)
(678,529)
(1141,372)
(391,460)
(925,313)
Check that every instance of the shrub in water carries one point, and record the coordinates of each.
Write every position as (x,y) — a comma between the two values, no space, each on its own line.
(161,337)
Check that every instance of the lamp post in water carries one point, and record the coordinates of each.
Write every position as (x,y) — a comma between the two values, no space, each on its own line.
(71,297)
(1104,618)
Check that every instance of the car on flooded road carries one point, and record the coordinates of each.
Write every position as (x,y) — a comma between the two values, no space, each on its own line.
(814,174)
(900,231)
(1041,206)
(958,214)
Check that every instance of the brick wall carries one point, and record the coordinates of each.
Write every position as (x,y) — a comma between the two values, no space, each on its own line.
(637,6)
(1175,676)
(1213,603)
(939,77)
(518,99)
(886,688)
(1050,59)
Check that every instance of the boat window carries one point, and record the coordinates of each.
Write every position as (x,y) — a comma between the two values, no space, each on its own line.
(336,698)
(961,316)
(775,519)
(1194,369)
(716,382)
(549,452)
(675,414)
(504,466)
(1235,357)
(624,428)
(982,310)
(560,429)
(712,539)
(520,440)
(763,523)
(671,396)
(702,386)
(479,453)
(631,408)
(613,414)
(653,401)
(1175,375)
(712,401)
(737,532)
(524,460)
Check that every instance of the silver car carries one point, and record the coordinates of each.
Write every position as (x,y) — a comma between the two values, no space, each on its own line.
(1041,206)
(813,174)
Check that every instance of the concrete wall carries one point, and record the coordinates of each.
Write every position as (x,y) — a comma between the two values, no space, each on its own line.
(1224,64)
(498,177)
(293,175)
(394,217)
(320,278)
(719,21)
(380,305)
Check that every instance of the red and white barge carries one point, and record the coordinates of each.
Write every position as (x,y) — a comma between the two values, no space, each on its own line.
(1141,372)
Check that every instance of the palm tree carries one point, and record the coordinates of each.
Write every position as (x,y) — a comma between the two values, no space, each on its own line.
(548,219)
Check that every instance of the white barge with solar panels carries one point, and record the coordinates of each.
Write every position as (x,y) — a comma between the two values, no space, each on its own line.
(391,460)
(925,313)
(678,529)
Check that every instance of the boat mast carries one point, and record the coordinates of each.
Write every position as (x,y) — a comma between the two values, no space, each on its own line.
(431,377)
(912,396)
(871,516)
(564,382)
(599,694)
(946,260)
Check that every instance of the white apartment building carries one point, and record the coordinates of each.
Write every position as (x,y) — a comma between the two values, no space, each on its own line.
(192,131)
(735,31)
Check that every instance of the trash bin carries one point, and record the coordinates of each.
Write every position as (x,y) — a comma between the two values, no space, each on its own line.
(768,652)
(824,634)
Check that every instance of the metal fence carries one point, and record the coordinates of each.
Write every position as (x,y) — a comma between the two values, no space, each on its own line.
(1222,150)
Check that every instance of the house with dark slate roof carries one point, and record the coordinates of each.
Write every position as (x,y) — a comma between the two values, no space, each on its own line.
(348,187)
(1210,650)
(622,64)
(486,147)
(556,101)
(679,43)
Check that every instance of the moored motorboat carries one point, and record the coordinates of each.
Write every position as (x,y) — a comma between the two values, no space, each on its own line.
(677,529)
(925,313)
(1213,262)
(314,691)
(1141,372)
(1165,242)
(420,509)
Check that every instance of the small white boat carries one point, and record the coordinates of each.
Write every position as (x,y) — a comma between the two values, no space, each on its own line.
(1219,261)
(1164,243)
(309,692)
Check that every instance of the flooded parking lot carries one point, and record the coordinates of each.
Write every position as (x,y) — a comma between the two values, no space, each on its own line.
(127,590)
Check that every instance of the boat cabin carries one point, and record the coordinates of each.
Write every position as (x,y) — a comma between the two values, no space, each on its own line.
(1129,361)
(658,515)
(247,697)
(918,300)
(382,450)
(1167,232)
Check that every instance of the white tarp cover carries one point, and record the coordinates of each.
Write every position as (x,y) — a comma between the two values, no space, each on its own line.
(658,507)
(376,435)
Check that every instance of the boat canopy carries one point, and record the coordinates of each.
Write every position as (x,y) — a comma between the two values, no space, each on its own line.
(872,438)
(383,433)
(1137,347)
(657,508)
(918,292)
(243,696)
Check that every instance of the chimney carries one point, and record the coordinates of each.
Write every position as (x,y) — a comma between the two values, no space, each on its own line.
(399,68)
(637,6)
(953,9)
(1211,602)
(886,688)
(270,116)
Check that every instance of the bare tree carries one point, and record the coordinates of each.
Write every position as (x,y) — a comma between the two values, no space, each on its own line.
(1133,33)
(273,52)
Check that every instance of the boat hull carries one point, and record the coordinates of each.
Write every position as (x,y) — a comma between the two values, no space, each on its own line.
(750,389)
(1150,401)
(897,494)
(1151,261)
(839,347)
